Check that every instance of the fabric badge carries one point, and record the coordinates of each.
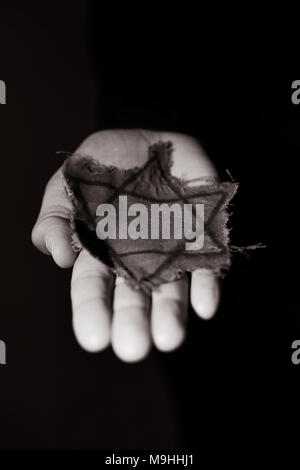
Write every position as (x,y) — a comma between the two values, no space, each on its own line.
(159,226)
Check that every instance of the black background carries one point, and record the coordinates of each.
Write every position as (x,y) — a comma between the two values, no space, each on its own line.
(72,68)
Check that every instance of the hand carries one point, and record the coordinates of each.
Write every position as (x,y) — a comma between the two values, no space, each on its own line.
(133,319)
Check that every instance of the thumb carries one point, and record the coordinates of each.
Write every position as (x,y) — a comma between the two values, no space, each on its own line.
(52,236)
(52,233)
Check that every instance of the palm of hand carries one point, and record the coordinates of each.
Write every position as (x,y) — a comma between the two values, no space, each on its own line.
(105,309)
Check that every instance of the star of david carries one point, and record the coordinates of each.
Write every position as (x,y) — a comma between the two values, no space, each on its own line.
(218,247)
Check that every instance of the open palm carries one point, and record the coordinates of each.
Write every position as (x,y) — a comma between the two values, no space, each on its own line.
(105,309)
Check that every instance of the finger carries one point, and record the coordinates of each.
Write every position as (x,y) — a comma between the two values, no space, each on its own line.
(51,233)
(131,337)
(91,294)
(205,293)
(169,314)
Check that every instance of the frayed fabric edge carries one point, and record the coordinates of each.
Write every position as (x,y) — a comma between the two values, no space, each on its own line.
(164,149)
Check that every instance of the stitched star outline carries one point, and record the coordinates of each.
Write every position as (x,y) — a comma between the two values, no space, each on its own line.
(180,247)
